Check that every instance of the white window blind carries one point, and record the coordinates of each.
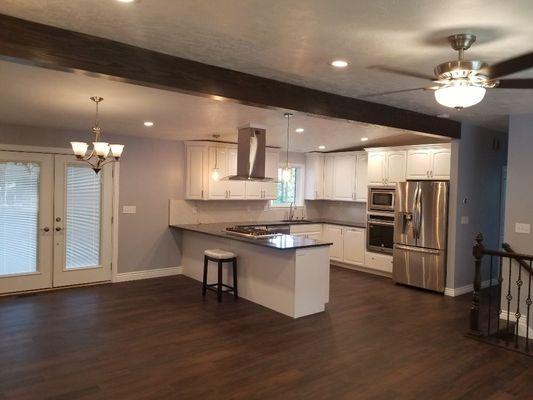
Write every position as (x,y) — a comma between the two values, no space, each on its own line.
(19,217)
(82,217)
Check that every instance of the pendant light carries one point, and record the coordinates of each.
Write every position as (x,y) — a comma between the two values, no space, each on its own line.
(215,173)
(286,173)
(99,155)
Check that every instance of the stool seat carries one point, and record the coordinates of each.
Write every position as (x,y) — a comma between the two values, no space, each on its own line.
(219,254)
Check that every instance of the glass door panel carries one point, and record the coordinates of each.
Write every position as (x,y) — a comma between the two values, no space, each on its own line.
(25,220)
(82,216)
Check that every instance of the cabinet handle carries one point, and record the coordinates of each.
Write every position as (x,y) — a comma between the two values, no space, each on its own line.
(202,193)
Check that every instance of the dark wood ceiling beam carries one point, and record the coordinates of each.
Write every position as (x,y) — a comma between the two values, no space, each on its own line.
(46,46)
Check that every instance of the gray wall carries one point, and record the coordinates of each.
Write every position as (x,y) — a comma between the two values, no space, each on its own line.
(476,193)
(519,196)
(151,173)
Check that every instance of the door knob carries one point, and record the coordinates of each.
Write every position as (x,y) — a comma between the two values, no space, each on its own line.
(58,228)
(58,219)
(46,229)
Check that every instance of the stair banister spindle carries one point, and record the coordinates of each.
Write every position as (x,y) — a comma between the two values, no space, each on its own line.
(517,314)
(474,309)
(509,298)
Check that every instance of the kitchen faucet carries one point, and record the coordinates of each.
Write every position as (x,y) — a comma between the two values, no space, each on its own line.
(291,211)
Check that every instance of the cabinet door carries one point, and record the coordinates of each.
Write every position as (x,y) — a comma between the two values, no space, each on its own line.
(361,178)
(218,189)
(271,164)
(196,165)
(441,164)
(253,190)
(376,167)
(333,234)
(419,164)
(344,177)
(354,246)
(314,177)
(396,167)
(236,189)
(328,177)
(315,236)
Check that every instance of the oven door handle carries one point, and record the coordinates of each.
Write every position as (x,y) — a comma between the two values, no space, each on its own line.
(372,222)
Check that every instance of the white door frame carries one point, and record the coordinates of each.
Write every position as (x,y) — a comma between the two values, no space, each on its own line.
(116,186)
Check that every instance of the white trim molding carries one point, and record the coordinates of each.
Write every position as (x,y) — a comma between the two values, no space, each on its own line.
(522,325)
(147,274)
(454,292)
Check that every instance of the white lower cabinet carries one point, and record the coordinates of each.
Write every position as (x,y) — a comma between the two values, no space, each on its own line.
(354,246)
(379,262)
(333,234)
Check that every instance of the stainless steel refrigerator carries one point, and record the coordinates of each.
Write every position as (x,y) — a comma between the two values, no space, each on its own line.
(420,234)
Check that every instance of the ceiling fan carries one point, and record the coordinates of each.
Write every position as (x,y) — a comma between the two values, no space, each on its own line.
(462,83)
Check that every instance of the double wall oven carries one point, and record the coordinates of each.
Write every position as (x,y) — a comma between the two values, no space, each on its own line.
(380,219)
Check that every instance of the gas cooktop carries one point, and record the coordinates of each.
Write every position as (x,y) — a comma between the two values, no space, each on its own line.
(253,231)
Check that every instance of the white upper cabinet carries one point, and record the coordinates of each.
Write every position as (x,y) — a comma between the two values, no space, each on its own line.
(361,178)
(344,177)
(386,167)
(201,159)
(314,176)
(377,161)
(195,180)
(396,166)
(328,176)
(441,164)
(429,163)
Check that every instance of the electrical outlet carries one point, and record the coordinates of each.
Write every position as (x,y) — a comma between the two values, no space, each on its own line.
(522,228)
(129,209)
(464,220)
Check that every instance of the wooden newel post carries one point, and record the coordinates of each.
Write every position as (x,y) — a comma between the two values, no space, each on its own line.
(474,310)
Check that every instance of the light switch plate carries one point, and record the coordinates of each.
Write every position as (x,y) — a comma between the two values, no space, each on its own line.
(464,220)
(129,209)
(522,228)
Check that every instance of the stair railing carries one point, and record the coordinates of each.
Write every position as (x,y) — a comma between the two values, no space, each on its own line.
(510,276)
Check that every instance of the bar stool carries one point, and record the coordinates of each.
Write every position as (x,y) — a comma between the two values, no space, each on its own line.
(220,257)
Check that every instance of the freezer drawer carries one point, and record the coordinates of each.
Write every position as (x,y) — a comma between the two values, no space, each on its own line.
(420,267)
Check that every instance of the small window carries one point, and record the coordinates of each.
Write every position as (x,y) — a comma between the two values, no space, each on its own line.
(288,192)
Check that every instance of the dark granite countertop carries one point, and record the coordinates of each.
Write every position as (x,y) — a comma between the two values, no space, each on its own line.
(280,242)
(300,222)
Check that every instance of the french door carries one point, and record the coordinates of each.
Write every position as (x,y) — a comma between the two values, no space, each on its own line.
(55,222)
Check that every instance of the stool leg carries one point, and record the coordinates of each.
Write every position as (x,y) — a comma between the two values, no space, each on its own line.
(235,290)
(219,286)
(204,282)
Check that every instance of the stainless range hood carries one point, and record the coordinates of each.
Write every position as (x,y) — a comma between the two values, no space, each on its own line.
(251,155)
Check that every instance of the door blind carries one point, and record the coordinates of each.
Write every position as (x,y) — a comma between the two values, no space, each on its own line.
(19,217)
(83,198)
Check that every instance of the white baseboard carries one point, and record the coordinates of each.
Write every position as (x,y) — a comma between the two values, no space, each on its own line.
(522,325)
(147,274)
(454,292)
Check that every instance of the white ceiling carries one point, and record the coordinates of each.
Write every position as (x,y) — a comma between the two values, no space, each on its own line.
(293,40)
(45,98)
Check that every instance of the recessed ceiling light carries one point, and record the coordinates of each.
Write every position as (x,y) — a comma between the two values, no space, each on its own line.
(126,1)
(149,124)
(364,139)
(339,63)
(321,147)
(299,130)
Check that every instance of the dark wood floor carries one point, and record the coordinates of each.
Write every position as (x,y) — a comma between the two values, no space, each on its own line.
(156,339)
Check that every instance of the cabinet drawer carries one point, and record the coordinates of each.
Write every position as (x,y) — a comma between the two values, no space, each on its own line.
(380,262)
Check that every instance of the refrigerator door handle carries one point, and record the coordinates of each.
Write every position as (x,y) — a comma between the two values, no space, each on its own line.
(416,213)
(417,249)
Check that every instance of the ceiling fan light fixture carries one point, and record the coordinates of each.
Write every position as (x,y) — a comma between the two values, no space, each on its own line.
(459,95)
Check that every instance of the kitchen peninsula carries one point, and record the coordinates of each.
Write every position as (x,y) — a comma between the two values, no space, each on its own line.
(286,273)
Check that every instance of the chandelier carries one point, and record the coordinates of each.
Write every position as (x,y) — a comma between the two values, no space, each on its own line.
(102,153)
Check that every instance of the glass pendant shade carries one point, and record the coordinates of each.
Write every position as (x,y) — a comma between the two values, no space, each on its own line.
(116,150)
(286,174)
(101,149)
(459,95)
(215,174)
(79,148)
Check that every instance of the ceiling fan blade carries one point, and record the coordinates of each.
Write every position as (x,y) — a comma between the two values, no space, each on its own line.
(397,91)
(509,66)
(515,84)
(399,71)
